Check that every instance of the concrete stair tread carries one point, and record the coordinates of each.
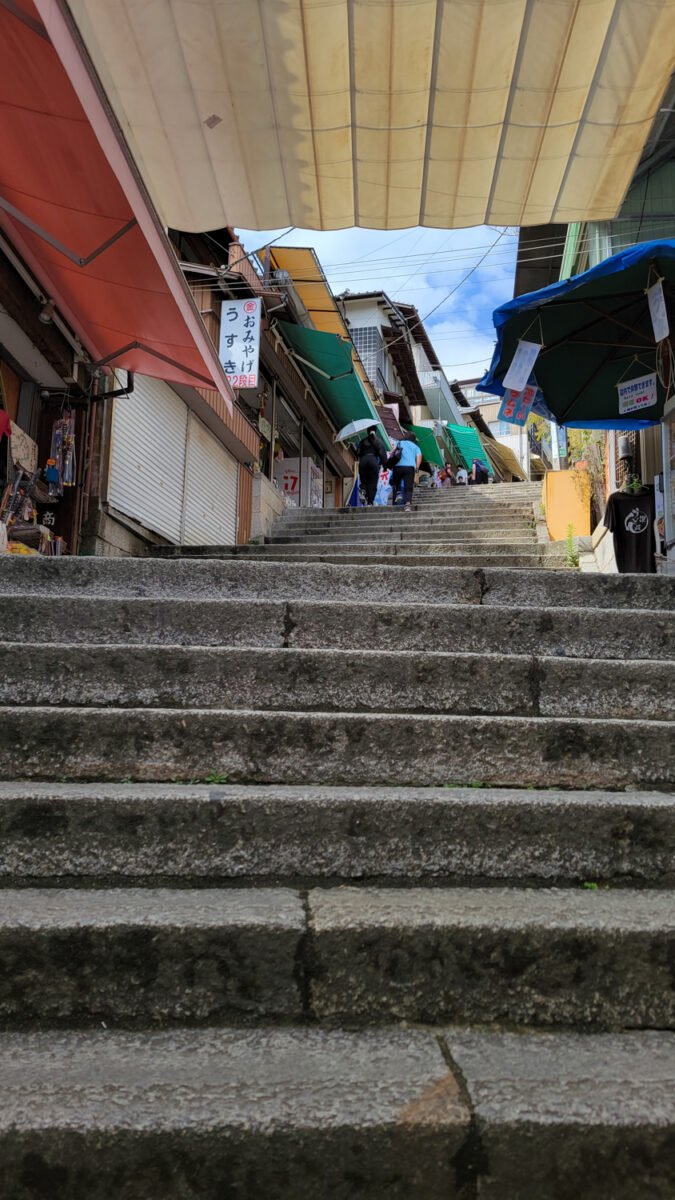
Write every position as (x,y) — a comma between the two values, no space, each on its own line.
(275,1110)
(109,832)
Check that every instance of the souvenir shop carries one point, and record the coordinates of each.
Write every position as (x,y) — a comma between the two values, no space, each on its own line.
(42,430)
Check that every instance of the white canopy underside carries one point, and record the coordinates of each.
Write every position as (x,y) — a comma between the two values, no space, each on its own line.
(382,113)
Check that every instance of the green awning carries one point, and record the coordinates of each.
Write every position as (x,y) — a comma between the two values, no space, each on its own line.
(469,445)
(427,443)
(326,361)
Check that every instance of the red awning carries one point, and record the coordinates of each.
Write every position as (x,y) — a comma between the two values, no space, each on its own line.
(73,207)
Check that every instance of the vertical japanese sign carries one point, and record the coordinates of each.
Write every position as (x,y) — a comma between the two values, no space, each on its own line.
(240,341)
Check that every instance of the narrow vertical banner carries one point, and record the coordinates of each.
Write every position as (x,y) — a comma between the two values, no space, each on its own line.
(521,365)
(658,311)
(240,341)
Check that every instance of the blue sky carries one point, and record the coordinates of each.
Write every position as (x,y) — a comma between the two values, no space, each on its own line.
(420,266)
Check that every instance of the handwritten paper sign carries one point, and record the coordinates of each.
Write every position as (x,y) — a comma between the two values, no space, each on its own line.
(521,366)
(240,341)
(517,406)
(658,311)
(636,394)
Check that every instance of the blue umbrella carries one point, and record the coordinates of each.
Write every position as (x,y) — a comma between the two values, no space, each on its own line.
(595,332)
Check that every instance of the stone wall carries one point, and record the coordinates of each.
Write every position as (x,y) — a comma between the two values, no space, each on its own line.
(268,506)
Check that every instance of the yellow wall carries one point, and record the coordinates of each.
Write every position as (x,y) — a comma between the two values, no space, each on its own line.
(566,498)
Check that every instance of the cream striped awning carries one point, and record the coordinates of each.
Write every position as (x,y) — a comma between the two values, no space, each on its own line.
(382,113)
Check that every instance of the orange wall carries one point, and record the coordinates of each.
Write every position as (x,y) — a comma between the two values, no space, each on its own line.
(566,497)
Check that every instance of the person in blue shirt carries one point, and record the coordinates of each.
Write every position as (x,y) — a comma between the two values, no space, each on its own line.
(404,471)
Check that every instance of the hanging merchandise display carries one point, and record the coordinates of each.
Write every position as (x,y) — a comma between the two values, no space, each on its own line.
(630,518)
(61,464)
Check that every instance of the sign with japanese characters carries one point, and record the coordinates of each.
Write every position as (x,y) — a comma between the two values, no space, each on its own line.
(517,406)
(240,341)
(521,365)
(636,394)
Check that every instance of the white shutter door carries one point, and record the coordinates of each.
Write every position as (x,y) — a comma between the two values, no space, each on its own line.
(211,479)
(147,457)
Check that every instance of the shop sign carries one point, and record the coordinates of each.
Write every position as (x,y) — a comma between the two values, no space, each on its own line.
(636,394)
(240,341)
(24,450)
(517,406)
(290,481)
(521,365)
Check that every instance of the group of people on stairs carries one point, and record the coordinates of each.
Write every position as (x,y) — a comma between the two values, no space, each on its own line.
(404,461)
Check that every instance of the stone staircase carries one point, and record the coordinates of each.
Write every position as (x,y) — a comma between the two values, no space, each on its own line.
(465,526)
(318,882)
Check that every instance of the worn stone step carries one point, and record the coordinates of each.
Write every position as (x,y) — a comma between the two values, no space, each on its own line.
(433,584)
(601,633)
(114,833)
(278,1113)
(374,518)
(365,955)
(566,1116)
(149,954)
(459,539)
(270,679)
(161,745)
(537,559)
(525,956)
(416,546)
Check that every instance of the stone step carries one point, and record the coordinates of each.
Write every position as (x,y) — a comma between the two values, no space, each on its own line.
(365,955)
(272,679)
(575,632)
(107,834)
(295,1114)
(162,745)
(541,558)
(434,584)
(447,537)
(526,956)
(380,515)
(149,954)
(415,545)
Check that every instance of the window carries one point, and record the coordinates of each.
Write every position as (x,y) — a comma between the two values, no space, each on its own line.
(368,342)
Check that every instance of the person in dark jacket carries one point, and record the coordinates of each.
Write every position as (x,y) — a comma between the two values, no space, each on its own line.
(372,456)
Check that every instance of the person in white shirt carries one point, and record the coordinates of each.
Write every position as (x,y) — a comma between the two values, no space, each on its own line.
(462,475)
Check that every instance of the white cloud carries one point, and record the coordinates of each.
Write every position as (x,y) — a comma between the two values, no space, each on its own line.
(420,267)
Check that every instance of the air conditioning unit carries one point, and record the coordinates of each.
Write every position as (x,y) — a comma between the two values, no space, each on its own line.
(284,282)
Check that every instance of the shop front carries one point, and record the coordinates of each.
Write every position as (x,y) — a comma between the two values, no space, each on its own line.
(169,479)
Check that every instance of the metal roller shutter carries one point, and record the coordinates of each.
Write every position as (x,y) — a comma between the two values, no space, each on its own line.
(147,457)
(211,477)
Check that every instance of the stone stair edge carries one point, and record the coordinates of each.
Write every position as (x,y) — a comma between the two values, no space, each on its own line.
(93,743)
(242,955)
(486,1106)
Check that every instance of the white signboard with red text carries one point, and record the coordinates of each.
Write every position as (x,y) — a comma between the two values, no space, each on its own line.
(240,341)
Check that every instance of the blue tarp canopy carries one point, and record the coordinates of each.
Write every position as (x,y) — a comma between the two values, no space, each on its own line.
(595,330)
